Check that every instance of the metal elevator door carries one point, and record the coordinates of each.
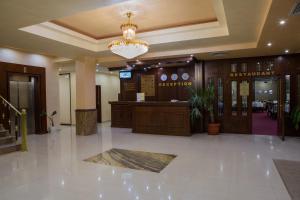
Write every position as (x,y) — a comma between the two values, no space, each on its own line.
(22,96)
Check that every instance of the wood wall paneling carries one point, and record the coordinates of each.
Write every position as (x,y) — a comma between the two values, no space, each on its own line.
(283,65)
(8,69)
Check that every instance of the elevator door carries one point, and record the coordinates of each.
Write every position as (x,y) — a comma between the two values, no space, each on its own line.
(21,95)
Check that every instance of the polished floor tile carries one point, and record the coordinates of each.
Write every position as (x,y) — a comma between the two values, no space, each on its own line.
(225,167)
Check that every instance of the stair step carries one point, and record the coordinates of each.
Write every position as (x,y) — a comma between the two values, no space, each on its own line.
(2,127)
(4,149)
(7,140)
(4,133)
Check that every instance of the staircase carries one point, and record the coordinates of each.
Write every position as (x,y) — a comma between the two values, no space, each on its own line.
(14,139)
(7,142)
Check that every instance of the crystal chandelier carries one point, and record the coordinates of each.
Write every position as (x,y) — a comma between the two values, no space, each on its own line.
(129,47)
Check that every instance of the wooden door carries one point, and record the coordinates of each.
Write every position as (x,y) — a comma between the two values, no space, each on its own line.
(98,103)
(237,118)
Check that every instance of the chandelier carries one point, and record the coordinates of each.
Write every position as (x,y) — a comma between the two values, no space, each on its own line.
(129,47)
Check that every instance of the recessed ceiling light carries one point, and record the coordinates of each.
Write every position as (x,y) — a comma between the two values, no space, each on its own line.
(286,51)
(269,44)
(282,22)
(192,55)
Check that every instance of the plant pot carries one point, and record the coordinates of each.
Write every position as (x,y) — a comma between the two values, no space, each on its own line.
(213,129)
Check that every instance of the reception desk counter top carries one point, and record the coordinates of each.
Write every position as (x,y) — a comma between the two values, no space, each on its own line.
(152,117)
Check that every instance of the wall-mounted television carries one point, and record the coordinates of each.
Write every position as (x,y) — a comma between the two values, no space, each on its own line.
(125,74)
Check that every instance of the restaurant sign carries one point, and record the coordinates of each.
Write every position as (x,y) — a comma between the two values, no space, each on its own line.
(251,74)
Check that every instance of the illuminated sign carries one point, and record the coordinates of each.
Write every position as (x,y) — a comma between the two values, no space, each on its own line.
(251,74)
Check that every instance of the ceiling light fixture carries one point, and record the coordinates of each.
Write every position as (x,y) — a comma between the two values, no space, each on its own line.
(129,47)
(269,44)
(282,22)
(286,51)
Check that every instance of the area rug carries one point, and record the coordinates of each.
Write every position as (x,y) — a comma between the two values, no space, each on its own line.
(290,174)
(139,160)
(263,125)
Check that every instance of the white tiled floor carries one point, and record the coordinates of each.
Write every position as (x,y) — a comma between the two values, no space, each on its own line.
(225,167)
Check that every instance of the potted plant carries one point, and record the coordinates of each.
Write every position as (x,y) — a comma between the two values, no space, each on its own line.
(50,117)
(295,116)
(202,100)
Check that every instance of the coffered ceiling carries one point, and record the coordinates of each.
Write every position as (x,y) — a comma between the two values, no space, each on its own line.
(148,14)
(76,28)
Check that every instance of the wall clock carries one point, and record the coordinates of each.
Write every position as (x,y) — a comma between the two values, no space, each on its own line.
(174,77)
(185,76)
(163,77)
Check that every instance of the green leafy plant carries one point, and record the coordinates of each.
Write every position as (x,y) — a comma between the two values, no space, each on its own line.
(202,100)
(50,117)
(295,116)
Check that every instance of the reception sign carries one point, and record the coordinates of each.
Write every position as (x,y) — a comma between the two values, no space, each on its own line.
(175,84)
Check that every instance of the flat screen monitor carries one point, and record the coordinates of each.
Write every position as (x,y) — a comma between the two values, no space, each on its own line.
(125,74)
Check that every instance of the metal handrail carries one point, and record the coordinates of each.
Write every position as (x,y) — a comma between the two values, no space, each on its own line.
(14,108)
(23,116)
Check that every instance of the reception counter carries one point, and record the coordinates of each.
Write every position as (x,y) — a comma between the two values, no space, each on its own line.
(152,117)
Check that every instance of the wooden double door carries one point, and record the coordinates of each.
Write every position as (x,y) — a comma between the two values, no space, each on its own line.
(238,95)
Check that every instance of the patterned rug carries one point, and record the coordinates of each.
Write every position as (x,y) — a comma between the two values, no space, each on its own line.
(290,174)
(139,160)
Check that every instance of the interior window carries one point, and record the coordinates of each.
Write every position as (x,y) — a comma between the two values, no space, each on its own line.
(234,67)
(298,89)
(244,67)
(220,97)
(287,93)
(234,98)
(244,93)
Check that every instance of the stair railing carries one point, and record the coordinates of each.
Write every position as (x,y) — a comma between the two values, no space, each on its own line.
(23,115)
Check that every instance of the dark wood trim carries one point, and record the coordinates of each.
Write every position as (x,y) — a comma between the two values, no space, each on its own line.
(7,69)
(85,110)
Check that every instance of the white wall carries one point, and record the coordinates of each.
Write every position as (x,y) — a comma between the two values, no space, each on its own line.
(110,88)
(52,92)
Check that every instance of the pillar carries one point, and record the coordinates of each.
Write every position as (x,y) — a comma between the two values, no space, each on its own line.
(86,113)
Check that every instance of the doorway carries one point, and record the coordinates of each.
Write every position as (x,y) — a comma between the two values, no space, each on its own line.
(98,103)
(22,95)
(265,106)
(65,99)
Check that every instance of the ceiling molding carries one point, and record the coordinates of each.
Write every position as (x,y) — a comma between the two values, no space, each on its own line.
(214,28)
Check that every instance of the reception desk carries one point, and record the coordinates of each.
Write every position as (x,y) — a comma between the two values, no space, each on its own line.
(152,117)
